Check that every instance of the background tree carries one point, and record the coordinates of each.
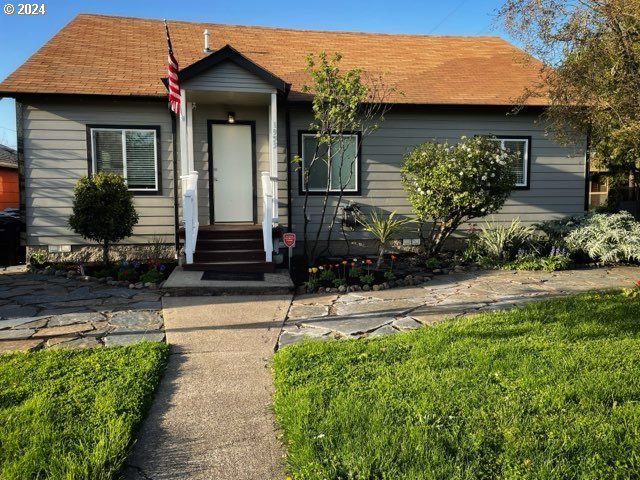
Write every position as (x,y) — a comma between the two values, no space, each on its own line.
(590,52)
(343,102)
(450,184)
(103,210)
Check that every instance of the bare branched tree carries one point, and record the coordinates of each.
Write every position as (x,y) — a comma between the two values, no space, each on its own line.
(344,104)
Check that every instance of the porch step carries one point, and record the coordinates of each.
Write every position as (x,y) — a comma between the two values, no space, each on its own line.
(243,232)
(235,255)
(247,266)
(207,244)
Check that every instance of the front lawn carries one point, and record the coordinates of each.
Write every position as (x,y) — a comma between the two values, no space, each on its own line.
(550,390)
(71,414)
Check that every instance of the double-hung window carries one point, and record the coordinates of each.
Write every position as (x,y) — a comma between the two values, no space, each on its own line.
(334,164)
(519,146)
(129,151)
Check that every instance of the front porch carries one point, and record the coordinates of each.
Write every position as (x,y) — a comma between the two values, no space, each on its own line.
(228,151)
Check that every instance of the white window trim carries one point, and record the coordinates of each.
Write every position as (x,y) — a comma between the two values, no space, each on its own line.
(94,164)
(356,165)
(525,173)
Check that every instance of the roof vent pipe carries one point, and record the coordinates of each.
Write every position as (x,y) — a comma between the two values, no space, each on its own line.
(206,42)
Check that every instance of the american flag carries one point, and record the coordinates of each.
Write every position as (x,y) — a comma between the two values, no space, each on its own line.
(172,68)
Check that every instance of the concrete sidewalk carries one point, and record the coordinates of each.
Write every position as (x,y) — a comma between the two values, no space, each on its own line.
(211,418)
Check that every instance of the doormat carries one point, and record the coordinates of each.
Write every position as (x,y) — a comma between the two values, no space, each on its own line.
(233,276)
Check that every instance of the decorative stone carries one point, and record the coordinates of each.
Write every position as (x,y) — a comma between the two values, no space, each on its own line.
(376,288)
(52,342)
(305,311)
(342,289)
(17,311)
(65,330)
(20,345)
(384,330)
(393,307)
(366,288)
(406,323)
(60,273)
(82,342)
(16,334)
(15,322)
(437,271)
(102,280)
(139,285)
(327,290)
(349,325)
(289,338)
(39,323)
(73,318)
(124,336)
(113,283)
(141,320)
(132,286)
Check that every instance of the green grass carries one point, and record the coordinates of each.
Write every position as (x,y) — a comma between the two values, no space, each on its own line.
(549,391)
(71,414)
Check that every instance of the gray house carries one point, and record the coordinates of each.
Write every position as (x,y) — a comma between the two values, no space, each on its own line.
(94,98)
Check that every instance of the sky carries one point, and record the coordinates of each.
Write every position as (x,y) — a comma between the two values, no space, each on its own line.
(22,35)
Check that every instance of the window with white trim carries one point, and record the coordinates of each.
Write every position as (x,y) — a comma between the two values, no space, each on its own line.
(340,172)
(130,152)
(519,146)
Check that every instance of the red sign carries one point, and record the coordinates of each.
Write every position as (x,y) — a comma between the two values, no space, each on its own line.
(289,239)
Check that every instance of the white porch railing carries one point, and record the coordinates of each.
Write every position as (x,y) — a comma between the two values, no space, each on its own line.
(267,215)
(190,213)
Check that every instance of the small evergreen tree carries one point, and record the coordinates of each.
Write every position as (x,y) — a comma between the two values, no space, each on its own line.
(103,210)
(450,184)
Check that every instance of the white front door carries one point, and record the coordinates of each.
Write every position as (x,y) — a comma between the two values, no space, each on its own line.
(232,173)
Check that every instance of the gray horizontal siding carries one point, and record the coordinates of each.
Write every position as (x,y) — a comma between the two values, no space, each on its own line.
(228,77)
(55,152)
(557,173)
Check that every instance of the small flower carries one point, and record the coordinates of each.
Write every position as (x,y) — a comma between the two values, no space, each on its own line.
(310,270)
(368,261)
(393,257)
(320,267)
(344,262)
(314,270)
(638,283)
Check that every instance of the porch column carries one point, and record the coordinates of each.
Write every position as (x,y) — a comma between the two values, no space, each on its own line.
(190,160)
(184,152)
(273,152)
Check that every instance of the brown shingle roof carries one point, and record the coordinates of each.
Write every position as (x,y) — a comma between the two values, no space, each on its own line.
(99,54)
(8,157)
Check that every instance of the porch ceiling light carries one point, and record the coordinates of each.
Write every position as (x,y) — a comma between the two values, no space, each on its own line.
(231,117)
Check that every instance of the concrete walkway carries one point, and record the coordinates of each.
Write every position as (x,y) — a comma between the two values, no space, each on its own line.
(211,418)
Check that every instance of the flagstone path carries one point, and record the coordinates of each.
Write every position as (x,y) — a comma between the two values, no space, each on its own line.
(369,314)
(38,311)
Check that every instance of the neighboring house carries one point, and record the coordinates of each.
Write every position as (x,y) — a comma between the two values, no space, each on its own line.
(94,99)
(9,191)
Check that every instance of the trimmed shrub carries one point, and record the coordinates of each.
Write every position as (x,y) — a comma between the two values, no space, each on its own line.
(450,184)
(103,210)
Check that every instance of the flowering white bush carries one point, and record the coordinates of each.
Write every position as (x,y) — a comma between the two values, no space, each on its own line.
(450,184)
